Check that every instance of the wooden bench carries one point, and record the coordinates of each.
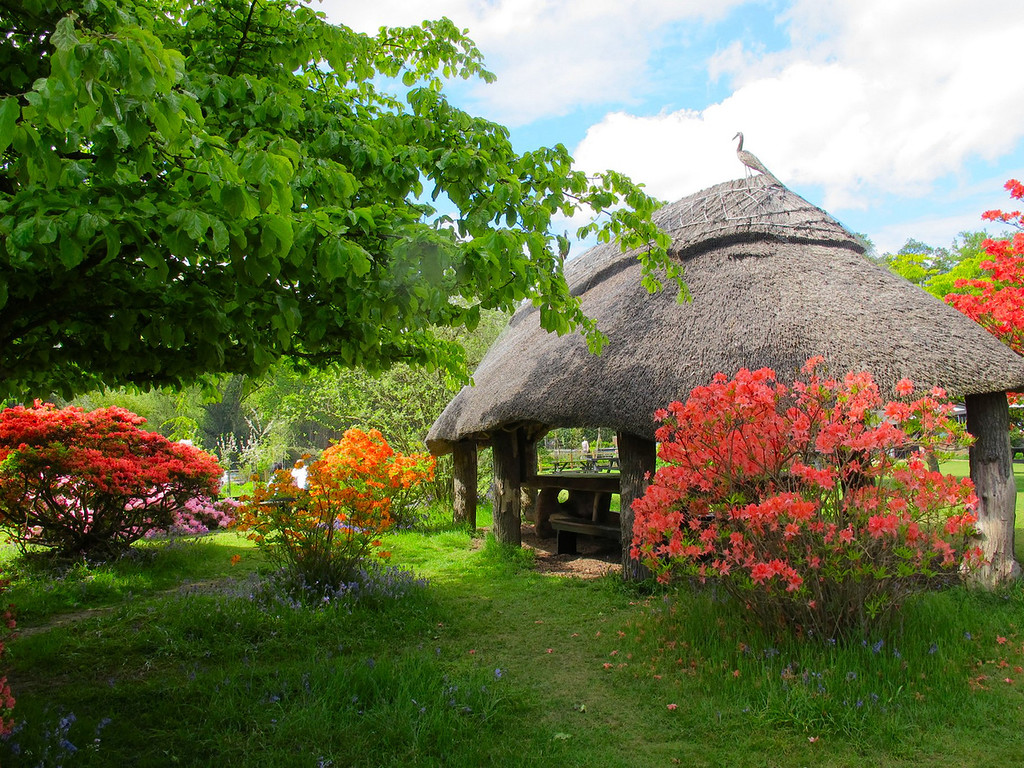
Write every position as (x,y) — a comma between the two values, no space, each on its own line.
(590,496)
(567,527)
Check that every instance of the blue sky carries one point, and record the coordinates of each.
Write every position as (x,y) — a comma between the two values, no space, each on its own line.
(902,118)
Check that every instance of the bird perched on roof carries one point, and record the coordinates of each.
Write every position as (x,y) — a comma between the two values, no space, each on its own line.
(750,160)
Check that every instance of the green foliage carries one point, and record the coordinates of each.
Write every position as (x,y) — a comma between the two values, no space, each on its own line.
(175,415)
(192,188)
(937,269)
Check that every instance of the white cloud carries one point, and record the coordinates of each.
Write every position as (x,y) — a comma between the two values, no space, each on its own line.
(551,56)
(873,95)
(867,100)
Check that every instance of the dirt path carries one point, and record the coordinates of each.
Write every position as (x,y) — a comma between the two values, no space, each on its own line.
(192,587)
(596,559)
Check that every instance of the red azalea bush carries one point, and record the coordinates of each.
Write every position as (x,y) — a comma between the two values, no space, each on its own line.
(997,299)
(89,484)
(323,534)
(799,500)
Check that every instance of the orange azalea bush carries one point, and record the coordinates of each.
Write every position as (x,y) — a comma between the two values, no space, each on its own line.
(322,535)
(811,502)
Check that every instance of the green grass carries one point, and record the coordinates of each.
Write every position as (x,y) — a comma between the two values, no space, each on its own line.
(961,468)
(491,664)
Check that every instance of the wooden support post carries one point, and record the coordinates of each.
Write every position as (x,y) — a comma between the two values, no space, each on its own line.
(547,505)
(465,480)
(528,469)
(507,510)
(988,419)
(637,460)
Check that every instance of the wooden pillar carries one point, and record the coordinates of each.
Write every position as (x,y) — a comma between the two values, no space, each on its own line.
(528,469)
(465,481)
(637,460)
(988,419)
(546,506)
(507,510)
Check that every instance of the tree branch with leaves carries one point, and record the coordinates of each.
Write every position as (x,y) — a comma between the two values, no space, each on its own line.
(228,208)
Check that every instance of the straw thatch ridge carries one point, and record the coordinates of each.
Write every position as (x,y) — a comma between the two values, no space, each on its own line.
(774,280)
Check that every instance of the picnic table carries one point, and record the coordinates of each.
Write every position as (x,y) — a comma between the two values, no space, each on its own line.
(586,511)
(568,460)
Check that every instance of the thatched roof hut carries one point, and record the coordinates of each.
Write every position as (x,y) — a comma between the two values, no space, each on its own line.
(774,280)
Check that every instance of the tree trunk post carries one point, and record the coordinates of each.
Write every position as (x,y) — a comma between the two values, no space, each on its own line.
(507,510)
(528,469)
(464,482)
(988,419)
(637,462)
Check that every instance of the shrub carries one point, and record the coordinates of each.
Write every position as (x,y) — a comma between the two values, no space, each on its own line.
(796,498)
(199,515)
(89,484)
(322,534)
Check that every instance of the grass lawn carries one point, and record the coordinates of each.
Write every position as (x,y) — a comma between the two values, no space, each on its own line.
(961,468)
(490,664)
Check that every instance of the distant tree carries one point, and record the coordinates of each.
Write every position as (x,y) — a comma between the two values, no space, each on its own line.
(303,411)
(937,269)
(190,188)
(870,252)
(969,252)
(177,415)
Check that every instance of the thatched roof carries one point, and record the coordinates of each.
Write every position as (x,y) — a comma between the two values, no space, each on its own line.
(774,281)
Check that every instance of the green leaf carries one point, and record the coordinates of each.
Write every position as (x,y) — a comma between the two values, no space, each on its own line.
(233,199)
(64,37)
(10,111)
(281,227)
(331,262)
(70,253)
(156,262)
(360,260)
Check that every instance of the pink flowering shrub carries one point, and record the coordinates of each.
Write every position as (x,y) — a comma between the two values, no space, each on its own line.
(798,499)
(199,515)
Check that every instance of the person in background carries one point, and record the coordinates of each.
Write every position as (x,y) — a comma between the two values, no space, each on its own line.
(299,473)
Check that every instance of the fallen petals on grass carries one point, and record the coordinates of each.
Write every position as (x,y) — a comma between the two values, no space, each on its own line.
(673,707)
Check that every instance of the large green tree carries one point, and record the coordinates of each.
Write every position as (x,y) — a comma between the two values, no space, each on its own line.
(202,187)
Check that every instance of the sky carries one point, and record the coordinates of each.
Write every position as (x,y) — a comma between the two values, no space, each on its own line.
(901,118)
